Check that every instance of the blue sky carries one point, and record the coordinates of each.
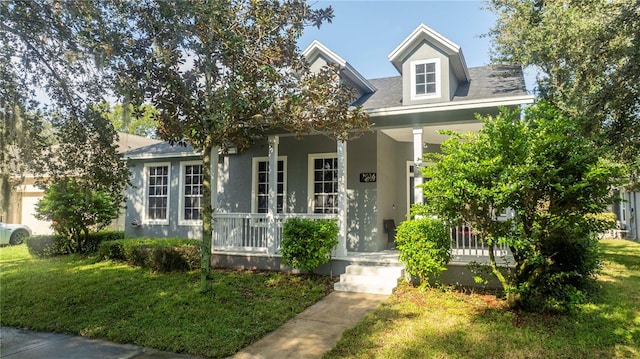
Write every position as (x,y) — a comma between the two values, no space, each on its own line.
(365,32)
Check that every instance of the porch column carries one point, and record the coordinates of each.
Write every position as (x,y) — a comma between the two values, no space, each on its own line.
(272,209)
(417,173)
(213,170)
(341,250)
(213,183)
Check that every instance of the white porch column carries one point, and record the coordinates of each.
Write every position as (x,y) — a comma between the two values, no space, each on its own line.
(341,250)
(272,209)
(417,173)
(213,170)
(213,184)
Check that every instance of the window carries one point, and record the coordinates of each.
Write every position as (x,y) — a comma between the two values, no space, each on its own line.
(425,79)
(191,192)
(261,184)
(157,176)
(323,175)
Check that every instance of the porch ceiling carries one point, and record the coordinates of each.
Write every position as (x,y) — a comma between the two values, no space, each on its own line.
(430,132)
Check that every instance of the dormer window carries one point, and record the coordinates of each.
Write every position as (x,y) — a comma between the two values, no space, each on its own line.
(425,79)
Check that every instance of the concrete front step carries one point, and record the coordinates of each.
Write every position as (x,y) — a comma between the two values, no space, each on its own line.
(369,279)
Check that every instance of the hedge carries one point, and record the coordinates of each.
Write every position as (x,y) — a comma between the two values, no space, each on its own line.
(160,255)
(55,245)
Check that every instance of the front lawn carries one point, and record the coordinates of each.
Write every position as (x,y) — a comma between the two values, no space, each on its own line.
(447,324)
(126,304)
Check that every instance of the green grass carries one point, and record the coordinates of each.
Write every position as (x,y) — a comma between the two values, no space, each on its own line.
(110,300)
(445,324)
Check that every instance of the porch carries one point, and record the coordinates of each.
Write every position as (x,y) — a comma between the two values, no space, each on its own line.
(254,241)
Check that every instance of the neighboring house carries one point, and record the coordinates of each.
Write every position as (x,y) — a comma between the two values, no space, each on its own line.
(26,195)
(627,214)
(367,184)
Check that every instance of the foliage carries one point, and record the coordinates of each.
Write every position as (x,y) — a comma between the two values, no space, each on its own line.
(547,174)
(166,311)
(424,245)
(55,245)
(160,255)
(436,323)
(588,55)
(307,243)
(222,74)
(54,68)
(76,210)
(47,245)
(139,121)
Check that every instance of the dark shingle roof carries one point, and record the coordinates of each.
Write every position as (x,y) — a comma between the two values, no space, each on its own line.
(162,148)
(486,82)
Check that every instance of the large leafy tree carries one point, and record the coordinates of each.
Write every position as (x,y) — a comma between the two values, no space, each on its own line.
(55,58)
(549,174)
(223,73)
(588,57)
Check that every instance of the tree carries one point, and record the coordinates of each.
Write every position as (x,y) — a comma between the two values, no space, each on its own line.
(588,54)
(55,58)
(75,210)
(543,169)
(221,74)
(142,123)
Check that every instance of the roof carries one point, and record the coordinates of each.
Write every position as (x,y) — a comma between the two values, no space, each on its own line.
(316,48)
(127,142)
(486,82)
(160,150)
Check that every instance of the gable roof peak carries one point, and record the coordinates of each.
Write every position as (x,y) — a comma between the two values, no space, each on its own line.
(316,48)
(425,33)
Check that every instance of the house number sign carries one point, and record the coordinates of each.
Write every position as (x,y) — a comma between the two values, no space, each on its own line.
(368,177)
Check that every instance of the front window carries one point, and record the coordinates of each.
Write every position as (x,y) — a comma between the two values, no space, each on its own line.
(192,192)
(261,184)
(425,79)
(324,186)
(157,192)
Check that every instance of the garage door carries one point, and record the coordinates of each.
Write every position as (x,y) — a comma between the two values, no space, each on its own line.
(29,219)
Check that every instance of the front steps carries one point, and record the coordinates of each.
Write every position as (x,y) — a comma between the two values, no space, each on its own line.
(369,278)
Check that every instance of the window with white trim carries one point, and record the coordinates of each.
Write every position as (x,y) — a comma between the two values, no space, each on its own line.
(157,191)
(323,180)
(425,79)
(260,184)
(191,191)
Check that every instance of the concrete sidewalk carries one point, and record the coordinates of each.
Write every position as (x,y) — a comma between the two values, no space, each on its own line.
(28,344)
(309,335)
(316,330)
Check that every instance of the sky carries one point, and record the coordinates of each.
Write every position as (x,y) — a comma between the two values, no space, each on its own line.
(365,32)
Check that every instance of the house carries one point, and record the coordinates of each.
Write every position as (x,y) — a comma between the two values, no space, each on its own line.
(26,195)
(365,183)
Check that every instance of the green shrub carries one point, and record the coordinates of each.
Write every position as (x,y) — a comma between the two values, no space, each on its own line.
(160,255)
(307,243)
(424,246)
(47,245)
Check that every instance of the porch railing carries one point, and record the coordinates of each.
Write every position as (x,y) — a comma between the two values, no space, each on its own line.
(249,232)
(465,245)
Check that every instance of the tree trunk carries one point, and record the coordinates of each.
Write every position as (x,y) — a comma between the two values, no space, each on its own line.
(207,226)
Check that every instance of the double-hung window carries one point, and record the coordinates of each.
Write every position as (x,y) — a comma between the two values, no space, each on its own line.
(157,192)
(191,192)
(323,183)
(260,184)
(425,79)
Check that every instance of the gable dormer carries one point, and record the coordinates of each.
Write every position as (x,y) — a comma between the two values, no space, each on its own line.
(432,67)
(318,55)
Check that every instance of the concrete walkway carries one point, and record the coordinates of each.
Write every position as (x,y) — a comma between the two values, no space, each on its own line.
(316,330)
(308,335)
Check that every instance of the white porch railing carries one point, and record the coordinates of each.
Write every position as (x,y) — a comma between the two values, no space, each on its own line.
(249,232)
(465,245)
